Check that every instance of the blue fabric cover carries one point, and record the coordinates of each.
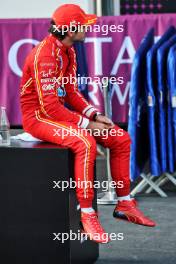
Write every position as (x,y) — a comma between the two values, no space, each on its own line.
(171,78)
(153,112)
(82,69)
(137,123)
(165,155)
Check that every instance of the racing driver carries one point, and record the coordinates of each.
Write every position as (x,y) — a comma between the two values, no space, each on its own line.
(43,112)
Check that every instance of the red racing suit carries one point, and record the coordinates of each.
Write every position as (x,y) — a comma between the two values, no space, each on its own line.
(42,96)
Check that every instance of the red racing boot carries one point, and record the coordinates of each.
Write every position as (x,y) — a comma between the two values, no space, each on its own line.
(93,229)
(128,211)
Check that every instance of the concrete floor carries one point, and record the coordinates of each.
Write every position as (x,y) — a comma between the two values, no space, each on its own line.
(142,245)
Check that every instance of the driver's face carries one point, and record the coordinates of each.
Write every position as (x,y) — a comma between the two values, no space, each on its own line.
(78,36)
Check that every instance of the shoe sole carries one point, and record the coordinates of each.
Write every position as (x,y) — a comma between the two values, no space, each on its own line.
(128,221)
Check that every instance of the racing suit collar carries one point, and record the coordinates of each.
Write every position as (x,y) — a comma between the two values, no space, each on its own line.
(59,43)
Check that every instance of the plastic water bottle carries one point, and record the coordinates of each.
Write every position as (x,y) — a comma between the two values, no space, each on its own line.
(4,128)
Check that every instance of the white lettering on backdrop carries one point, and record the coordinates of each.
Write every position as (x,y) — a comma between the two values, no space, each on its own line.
(127,46)
(13,53)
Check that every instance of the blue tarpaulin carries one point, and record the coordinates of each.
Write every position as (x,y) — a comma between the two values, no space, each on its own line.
(137,125)
(171,74)
(166,156)
(153,113)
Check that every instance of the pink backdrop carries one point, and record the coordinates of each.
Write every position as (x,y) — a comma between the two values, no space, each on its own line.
(107,55)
